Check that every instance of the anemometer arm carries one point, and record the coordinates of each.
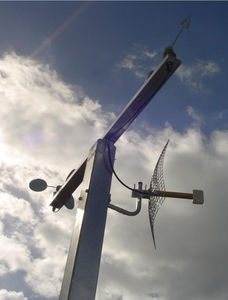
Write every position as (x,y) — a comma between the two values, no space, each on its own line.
(67,189)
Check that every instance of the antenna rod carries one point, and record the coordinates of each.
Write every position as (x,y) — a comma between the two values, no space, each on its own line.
(185,24)
(177,36)
(173,194)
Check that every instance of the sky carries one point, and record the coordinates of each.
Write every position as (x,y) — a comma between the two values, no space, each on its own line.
(67,69)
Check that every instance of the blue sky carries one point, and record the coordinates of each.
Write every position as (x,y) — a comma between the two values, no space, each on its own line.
(66,70)
(88,51)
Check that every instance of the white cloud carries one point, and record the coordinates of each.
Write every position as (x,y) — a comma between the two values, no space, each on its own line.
(44,276)
(32,92)
(220,115)
(16,207)
(14,254)
(128,62)
(195,75)
(194,115)
(220,143)
(40,140)
(150,54)
(137,61)
(1,227)
(41,112)
(3,269)
(11,295)
(209,68)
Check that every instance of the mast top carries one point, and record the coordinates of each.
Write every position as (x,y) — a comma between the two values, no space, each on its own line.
(184,25)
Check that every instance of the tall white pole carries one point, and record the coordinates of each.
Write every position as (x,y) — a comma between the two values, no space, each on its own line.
(82,267)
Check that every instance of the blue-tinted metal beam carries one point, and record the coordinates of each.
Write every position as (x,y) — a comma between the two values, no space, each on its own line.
(152,85)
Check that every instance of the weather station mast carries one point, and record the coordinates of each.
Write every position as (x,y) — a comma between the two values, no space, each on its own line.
(95,174)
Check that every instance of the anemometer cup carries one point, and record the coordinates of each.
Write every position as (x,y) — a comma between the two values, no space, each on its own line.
(198,197)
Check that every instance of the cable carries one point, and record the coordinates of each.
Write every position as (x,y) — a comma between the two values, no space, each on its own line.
(111,165)
(117,177)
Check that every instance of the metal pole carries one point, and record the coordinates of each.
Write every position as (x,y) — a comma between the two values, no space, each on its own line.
(139,101)
(82,267)
(81,273)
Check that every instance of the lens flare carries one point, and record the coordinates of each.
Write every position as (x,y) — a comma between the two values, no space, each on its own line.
(60,29)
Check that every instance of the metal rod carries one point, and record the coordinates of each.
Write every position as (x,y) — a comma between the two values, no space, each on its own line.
(173,194)
(177,36)
(127,212)
(146,194)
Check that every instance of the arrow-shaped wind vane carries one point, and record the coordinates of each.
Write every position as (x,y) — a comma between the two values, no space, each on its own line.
(184,24)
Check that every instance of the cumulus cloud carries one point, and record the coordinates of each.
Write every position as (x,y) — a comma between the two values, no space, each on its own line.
(50,127)
(137,61)
(194,115)
(3,270)
(150,54)
(17,207)
(41,111)
(32,92)
(196,74)
(14,254)
(12,295)
(220,115)
(45,275)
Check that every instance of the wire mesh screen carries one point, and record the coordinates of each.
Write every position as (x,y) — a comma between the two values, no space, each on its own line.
(157,184)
